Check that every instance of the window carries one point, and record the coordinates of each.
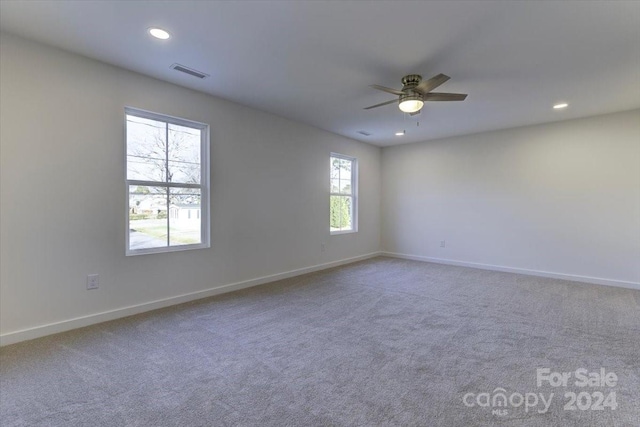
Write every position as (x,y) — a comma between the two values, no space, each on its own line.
(344,177)
(167,174)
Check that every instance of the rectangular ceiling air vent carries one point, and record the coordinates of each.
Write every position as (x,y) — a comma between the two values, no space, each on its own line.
(361,132)
(190,71)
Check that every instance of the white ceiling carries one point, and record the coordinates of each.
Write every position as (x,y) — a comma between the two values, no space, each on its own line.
(313,61)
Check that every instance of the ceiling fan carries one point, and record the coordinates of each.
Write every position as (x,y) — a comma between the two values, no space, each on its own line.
(415,91)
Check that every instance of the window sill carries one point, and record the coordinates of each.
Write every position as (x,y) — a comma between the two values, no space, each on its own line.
(334,233)
(167,249)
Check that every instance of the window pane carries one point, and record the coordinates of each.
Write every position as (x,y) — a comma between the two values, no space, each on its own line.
(341,218)
(345,186)
(345,168)
(335,185)
(147,217)
(146,149)
(185,216)
(184,154)
(347,218)
(335,168)
(342,197)
(163,158)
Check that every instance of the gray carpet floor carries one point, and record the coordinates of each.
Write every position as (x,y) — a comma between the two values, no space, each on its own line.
(384,342)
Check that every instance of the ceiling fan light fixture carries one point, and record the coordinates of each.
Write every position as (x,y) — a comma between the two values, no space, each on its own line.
(411,103)
(416,91)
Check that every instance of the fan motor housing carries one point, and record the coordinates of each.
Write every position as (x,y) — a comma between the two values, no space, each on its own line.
(410,81)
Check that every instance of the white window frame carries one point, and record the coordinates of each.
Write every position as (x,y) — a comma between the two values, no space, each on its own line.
(203,186)
(353,195)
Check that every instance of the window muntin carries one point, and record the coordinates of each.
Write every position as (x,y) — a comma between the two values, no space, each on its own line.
(167,183)
(342,199)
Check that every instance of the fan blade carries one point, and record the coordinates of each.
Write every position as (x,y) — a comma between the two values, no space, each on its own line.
(415,113)
(380,105)
(438,96)
(426,86)
(387,89)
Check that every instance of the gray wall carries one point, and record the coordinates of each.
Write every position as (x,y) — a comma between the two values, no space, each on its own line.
(63,193)
(560,198)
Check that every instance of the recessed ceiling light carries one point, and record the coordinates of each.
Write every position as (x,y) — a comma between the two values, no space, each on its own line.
(400,133)
(159,33)
(560,106)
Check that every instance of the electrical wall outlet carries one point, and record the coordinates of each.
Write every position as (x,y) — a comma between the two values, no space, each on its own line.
(322,248)
(442,243)
(93,281)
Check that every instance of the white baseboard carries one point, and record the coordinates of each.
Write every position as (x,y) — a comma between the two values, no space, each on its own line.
(572,277)
(79,322)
